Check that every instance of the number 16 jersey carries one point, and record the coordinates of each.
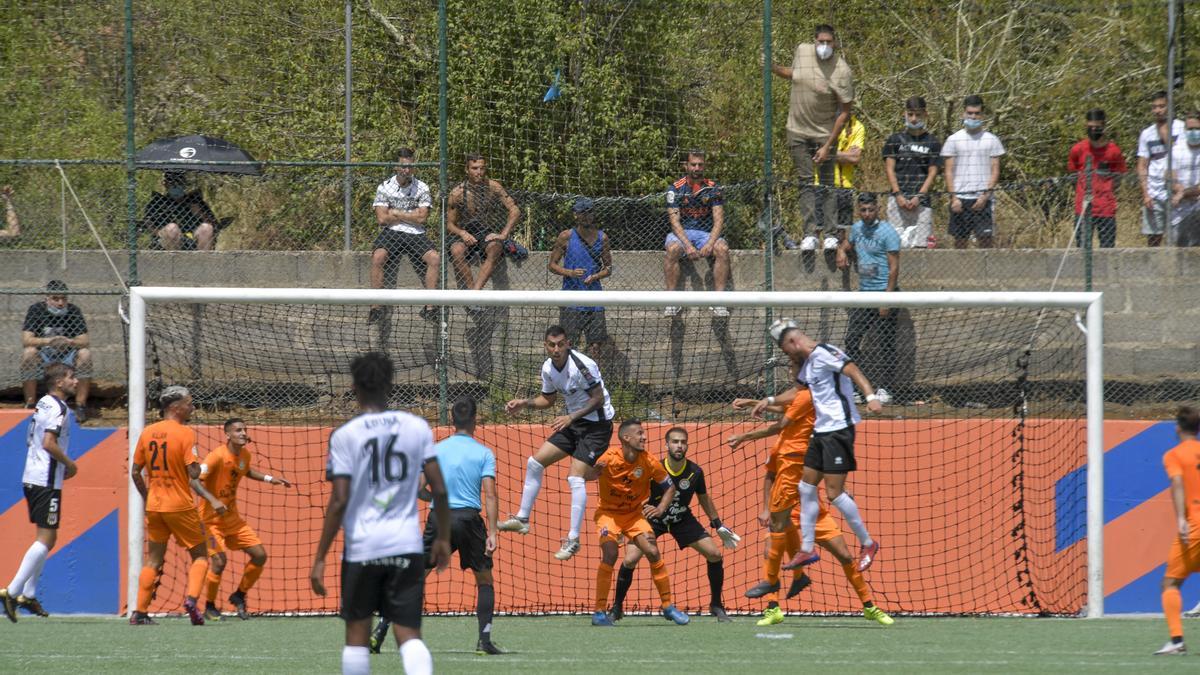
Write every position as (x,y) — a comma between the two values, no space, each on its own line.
(382,454)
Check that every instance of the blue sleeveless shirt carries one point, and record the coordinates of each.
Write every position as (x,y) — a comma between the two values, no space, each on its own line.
(578,256)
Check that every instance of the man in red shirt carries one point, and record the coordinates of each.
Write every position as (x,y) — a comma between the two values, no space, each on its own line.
(1107,164)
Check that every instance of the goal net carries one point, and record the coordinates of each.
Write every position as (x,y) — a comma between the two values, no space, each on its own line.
(973,478)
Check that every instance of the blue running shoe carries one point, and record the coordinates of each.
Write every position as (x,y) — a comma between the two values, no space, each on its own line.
(601,619)
(673,613)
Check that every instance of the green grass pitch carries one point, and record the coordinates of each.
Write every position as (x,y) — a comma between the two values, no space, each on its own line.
(562,644)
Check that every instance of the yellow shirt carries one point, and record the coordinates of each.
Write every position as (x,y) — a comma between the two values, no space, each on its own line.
(853,135)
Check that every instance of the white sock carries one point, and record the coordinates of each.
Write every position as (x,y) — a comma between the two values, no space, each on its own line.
(35,556)
(416,657)
(31,584)
(356,660)
(578,504)
(533,485)
(845,504)
(810,510)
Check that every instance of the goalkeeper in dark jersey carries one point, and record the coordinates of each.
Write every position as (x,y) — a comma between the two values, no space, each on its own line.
(682,525)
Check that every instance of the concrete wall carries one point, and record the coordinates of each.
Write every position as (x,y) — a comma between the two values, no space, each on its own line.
(1152,322)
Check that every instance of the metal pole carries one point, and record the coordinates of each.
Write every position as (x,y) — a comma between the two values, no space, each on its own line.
(1171,42)
(130,150)
(347,182)
(137,419)
(1087,226)
(769,188)
(1095,458)
(443,190)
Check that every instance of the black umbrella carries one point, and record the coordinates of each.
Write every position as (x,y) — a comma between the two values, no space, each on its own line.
(196,153)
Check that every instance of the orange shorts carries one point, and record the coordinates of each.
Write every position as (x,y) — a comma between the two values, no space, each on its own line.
(1180,561)
(613,525)
(185,525)
(827,527)
(784,491)
(234,536)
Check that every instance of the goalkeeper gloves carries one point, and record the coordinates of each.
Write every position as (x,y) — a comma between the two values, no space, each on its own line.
(728,537)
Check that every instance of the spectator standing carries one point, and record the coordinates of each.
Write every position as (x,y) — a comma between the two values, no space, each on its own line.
(55,331)
(912,159)
(180,218)
(696,210)
(972,157)
(582,257)
(1185,185)
(12,224)
(1153,146)
(474,209)
(401,206)
(818,110)
(1107,163)
(876,245)
(849,151)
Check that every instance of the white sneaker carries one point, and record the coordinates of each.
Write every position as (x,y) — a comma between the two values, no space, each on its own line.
(808,243)
(884,397)
(1172,648)
(514,524)
(831,243)
(720,312)
(672,311)
(569,548)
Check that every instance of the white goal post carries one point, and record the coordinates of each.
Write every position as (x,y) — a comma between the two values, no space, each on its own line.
(1089,304)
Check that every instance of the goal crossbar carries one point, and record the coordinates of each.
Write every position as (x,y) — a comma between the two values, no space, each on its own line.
(1090,304)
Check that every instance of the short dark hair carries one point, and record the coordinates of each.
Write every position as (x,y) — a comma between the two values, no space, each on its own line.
(405,153)
(55,372)
(866,198)
(372,375)
(554,331)
(973,100)
(677,430)
(1095,115)
(56,287)
(462,413)
(694,152)
(1188,419)
(824,28)
(631,422)
(230,422)
(1192,115)
(1160,94)
(914,103)
(474,157)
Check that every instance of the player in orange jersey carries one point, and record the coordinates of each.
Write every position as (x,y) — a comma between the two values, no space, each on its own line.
(1182,463)
(166,450)
(625,474)
(221,472)
(784,467)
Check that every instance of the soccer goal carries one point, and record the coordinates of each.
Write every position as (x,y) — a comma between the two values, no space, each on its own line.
(982,478)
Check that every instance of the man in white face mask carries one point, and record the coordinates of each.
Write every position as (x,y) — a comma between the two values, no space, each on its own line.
(1185,185)
(972,157)
(54,331)
(180,218)
(819,108)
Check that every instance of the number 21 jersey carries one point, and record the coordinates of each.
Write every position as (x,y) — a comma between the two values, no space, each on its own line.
(382,454)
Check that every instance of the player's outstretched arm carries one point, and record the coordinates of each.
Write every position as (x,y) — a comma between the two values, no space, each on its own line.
(268,478)
(539,402)
(339,497)
(783,400)
(852,371)
(762,432)
(440,553)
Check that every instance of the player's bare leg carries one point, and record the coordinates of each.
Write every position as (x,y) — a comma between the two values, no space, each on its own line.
(258,558)
(492,252)
(835,489)
(716,576)
(662,580)
(535,466)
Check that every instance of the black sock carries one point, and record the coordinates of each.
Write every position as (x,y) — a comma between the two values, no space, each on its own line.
(1177,640)
(485,608)
(868,604)
(624,581)
(716,581)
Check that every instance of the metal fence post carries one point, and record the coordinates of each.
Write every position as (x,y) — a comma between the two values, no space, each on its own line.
(130,149)
(347,181)
(443,189)
(768,189)
(1088,226)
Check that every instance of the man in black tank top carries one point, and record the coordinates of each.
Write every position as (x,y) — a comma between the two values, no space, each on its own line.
(480,215)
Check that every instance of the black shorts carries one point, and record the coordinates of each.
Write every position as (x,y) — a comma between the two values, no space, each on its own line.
(468,536)
(832,451)
(685,532)
(477,251)
(397,244)
(584,440)
(45,506)
(971,222)
(588,323)
(393,586)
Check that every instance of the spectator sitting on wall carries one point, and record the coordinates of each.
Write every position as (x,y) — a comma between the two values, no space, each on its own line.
(401,206)
(54,331)
(180,218)
(481,214)
(912,159)
(12,224)
(696,210)
(1107,162)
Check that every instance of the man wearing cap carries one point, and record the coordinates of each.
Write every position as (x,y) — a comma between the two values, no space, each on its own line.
(582,257)
(696,211)
(54,331)
(876,245)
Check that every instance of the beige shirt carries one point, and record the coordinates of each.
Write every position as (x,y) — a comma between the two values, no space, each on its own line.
(817,87)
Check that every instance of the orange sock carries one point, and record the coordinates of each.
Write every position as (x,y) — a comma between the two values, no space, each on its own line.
(146,582)
(212,583)
(196,574)
(793,540)
(1172,602)
(662,581)
(249,576)
(603,583)
(856,580)
(774,557)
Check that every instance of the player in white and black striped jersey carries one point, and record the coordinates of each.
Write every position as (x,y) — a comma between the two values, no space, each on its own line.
(375,463)
(830,375)
(583,434)
(47,465)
